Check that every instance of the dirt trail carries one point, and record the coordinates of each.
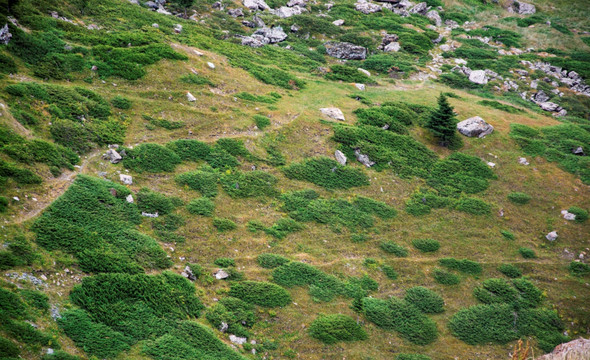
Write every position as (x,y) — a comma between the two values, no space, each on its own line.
(56,187)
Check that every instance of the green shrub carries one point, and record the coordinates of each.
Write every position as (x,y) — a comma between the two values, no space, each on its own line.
(121,102)
(527,253)
(579,268)
(271,261)
(222,224)
(520,294)
(327,173)
(401,316)
(393,248)
(261,121)
(3,204)
(195,79)
(271,99)
(59,355)
(196,269)
(412,357)
(166,124)
(225,262)
(510,270)
(464,265)
(236,314)
(203,181)
(191,150)
(260,293)
(473,206)
(507,234)
(8,349)
(426,245)
(283,227)
(359,238)
(347,74)
(481,324)
(498,105)
(333,328)
(581,214)
(201,206)
(425,299)
(460,173)
(389,271)
(151,158)
(444,277)
(219,158)
(238,184)
(105,261)
(154,202)
(519,198)
(11,305)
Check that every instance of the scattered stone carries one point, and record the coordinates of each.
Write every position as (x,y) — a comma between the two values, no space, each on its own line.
(578,151)
(295,28)
(210,65)
(568,215)
(452,24)
(274,35)
(155,26)
(338,22)
(361,87)
(345,50)
(237,340)
(126,179)
(256,5)
(475,126)
(217,5)
(190,97)
(478,77)
(129,198)
(5,35)
(178,28)
(522,8)
(340,157)
(150,215)
(15,198)
(333,113)
(223,327)
(552,236)
(55,314)
(540,97)
(434,16)
(286,12)
(363,159)
(392,47)
(366,7)
(421,9)
(188,273)
(113,156)
(523,161)
(491,164)
(235,12)
(221,274)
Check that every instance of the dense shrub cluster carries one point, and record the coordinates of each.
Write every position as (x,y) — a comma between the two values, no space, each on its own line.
(191,150)
(520,294)
(498,105)
(460,173)
(579,268)
(425,299)
(473,206)
(510,270)
(260,293)
(347,74)
(236,314)
(151,158)
(389,271)
(401,316)
(322,287)
(463,265)
(426,245)
(444,277)
(519,198)
(393,248)
(239,184)
(17,252)
(200,180)
(271,261)
(261,121)
(223,224)
(333,328)
(581,214)
(527,253)
(327,173)
(201,206)
(556,143)
(89,217)
(280,229)
(306,206)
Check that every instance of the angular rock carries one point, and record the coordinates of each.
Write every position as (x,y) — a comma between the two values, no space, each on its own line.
(178,28)
(5,35)
(210,65)
(475,126)
(478,77)
(522,8)
(235,12)
(540,97)
(574,350)
(333,113)
(113,156)
(434,16)
(190,97)
(301,3)
(568,215)
(549,106)
(237,340)
(254,41)
(392,47)
(340,157)
(451,24)
(420,8)
(361,87)
(366,7)
(256,5)
(221,274)
(552,236)
(150,215)
(523,161)
(363,159)
(338,22)
(274,35)
(578,151)
(365,72)
(188,273)
(129,199)
(126,179)
(286,12)
(345,50)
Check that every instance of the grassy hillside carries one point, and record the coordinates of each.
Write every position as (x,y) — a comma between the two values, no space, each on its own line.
(264,246)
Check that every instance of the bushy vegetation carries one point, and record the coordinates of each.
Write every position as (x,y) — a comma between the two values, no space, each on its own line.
(444,277)
(236,314)
(498,105)
(261,121)
(200,180)
(271,261)
(581,214)
(239,184)
(464,265)
(412,357)
(121,102)
(327,173)
(460,173)
(151,158)
(389,271)
(579,268)
(401,316)
(347,74)
(510,270)
(333,328)
(393,248)
(201,206)
(191,150)
(473,206)
(425,299)
(223,224)
(527,253)
(280,229)
(426,245)
(260,293)
(519,198)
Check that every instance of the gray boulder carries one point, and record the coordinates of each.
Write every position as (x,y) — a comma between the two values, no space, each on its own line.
(333,113)
(5,35)
(221,274)
(540,97)
(113,156)
(366,7)
(273,35)
(578,151)
(340,157)
(552,236)
(235,12)
(434,16)
(550,106)
(522,8)
(188,273)
(392,47)
(286,12)
(256,5)
(478,77)
(475,126)
(301,3)
(126,179)
(363,159)
(345,50)
(338,22)
(254,41)
(421,9)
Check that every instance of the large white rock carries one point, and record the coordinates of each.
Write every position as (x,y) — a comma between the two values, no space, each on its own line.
(126,179)
(475,126)
(286,12)
(256,5)
(333,113)
(190,97)
(221,274)
(338,22)
(392,47)
(361,87)
(129,198)
(340,157)
(478,77)
(366,72)
(366,7)
(237,340)
(434,16)
(552,236)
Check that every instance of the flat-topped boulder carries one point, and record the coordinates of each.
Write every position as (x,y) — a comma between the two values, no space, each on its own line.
(475,127)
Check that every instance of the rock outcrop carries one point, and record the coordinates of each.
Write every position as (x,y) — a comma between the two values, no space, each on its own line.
(345,50)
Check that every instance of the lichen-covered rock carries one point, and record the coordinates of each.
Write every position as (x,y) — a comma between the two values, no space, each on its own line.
(256,5)
(340,157)
(420,8)
(345,50)
(333,113)
(434,16)
(475,126)
(522,8)
(366,7)
(574,350)
(478,77)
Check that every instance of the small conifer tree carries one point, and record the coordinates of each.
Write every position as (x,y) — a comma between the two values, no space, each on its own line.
(443,124)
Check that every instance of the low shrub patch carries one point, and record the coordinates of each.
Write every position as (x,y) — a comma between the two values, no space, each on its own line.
(424,299)
(222,224)
(579,268)
(444,277)
(260,293)
(192,150)
(203,181)
(393,248)
(151,158)
(519,198)
(225,262)
(412,357)
(507,234)
(201,206)
(473,206)
(333,328)
(426,245)
(238,184)
(121,102)
(327,173)
(527,253)
(271,261)
(510,270)
(463,265)
(154,202)
(581,214)
(261,121)
(389,271)
(347,74)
